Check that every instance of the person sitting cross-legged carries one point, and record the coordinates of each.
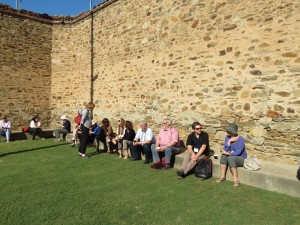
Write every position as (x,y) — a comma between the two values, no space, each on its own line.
(167,142)
(198,148)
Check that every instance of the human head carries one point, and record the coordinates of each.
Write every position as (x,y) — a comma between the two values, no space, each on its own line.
(143,125)
(63,117)
(196,126)
(105,122)
(90,106)
(128,124)
(121,122)
(4,118)
(35,118)
(232,129)
(166,123)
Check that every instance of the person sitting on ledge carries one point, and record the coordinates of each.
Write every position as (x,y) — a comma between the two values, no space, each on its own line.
(233,154)
(35,127)
(198,148)
(167,142)
(129,135)
(142,143)
(64,129)
(5,126)
(94,133)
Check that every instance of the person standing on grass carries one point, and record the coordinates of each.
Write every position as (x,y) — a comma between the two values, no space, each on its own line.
(85,125)
(233,154)
(167,142)
(198,148)
(64,129)
(35,128)
(5,126)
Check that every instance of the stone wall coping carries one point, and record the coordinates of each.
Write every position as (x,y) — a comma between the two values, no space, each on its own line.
(45,18)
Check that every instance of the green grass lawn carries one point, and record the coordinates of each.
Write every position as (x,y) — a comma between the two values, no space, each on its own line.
(44,182)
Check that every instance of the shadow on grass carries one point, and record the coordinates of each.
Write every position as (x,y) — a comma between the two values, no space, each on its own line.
(96,153)
(31,150)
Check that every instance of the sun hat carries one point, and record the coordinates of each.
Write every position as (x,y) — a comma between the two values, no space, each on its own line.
(63,117)
(232,128)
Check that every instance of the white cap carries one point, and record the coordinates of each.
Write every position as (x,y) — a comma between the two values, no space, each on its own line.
(63,117)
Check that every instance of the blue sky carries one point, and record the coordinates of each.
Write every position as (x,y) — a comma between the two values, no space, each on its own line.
(54,7)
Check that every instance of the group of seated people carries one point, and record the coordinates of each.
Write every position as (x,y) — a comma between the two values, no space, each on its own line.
(166,144)
(34,128)
(159,150)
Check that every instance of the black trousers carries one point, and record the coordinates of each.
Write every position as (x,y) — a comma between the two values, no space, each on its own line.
(102,137)
(83,139)
(35,131)
(103,140)
(137,150)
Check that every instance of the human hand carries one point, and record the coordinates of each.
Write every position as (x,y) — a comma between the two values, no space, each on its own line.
(193,157)
(162,148)
(233,139)
(224,152)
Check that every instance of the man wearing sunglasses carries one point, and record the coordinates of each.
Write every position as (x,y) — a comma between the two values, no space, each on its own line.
(198,148)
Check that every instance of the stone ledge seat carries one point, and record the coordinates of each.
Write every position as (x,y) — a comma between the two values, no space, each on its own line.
(272,176)
(19,135)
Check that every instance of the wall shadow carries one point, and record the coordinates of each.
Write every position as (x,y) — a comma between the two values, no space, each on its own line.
(33,149)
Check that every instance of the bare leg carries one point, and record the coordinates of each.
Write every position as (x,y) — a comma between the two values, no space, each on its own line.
(120,153)
(234,173)
(224,168)
(126,154)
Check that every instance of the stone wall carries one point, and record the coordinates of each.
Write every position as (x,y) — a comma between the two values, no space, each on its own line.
(71,70)
(212,61)
(25,69)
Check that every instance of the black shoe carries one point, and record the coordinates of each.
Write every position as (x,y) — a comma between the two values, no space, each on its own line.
(180,174)
(147,161)
(134,159)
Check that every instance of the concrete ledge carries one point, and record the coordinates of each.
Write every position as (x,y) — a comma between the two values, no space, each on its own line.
(276,177)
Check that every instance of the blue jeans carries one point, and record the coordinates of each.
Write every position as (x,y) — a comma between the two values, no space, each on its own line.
(7,134)
(168,153)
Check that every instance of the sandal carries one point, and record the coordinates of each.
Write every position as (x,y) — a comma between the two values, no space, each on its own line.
(236,183)
(220,180)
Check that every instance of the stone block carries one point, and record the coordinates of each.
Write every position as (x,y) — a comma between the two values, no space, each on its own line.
(258,131)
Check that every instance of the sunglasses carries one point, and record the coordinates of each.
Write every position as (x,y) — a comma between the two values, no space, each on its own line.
(164,123)
(198,128)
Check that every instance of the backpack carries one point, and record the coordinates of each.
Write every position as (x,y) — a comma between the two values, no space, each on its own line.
(203,169)
(77,119)
(252,163)
(298,174)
